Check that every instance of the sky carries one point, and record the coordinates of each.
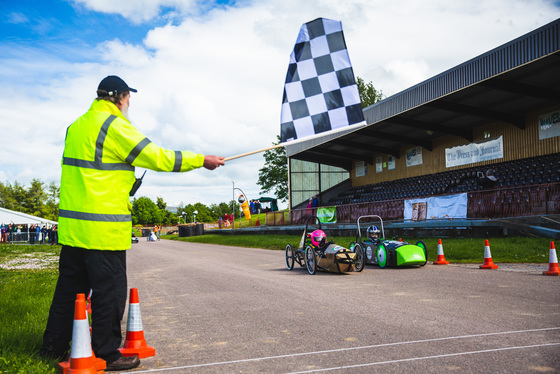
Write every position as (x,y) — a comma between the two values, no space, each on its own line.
(210,74)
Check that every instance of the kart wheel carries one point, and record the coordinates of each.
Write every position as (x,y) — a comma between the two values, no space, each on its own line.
(382,256)
(423,246)
(311,259)
(360,257)
(290,256)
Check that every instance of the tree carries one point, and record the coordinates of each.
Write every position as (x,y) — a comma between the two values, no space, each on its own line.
(161,204)
(144,211)
(35,199)
(218,210)
(51,205)
(368,94)
(166,217)
(13,197)
(274,175)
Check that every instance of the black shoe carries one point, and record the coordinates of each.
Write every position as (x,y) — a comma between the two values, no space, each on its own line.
(51,355)
(123,363)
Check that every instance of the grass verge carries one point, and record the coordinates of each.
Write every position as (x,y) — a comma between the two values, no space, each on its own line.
(458,250)
(27,279)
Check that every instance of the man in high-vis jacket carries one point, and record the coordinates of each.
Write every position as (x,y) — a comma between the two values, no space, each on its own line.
(101,151)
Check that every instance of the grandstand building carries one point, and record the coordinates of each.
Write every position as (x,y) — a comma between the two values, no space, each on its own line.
(487,129)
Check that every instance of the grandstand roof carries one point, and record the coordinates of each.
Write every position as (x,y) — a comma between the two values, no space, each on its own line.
(500,85)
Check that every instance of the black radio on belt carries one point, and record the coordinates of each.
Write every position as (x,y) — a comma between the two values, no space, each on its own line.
(136,184)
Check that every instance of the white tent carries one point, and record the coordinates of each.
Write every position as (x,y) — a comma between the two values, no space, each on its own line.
(9,216)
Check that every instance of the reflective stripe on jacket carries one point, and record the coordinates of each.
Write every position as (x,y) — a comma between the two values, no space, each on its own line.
(100,153)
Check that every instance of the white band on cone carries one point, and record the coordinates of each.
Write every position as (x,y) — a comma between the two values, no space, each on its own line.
(81,341)
(553,259)
(134,322)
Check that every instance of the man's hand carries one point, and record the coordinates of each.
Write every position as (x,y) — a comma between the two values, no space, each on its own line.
(211,162)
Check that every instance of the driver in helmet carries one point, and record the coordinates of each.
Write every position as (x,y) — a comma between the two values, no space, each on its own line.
(318,238)
(373,234)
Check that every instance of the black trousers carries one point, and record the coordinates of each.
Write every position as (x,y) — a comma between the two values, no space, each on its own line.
(80,270)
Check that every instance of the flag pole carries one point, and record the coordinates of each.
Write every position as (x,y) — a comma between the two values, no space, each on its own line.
(346,129)
(257,151)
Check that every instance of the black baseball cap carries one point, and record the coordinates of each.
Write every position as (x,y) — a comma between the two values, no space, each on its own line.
(114,85)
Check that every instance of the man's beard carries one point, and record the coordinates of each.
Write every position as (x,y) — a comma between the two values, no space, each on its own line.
(124,110)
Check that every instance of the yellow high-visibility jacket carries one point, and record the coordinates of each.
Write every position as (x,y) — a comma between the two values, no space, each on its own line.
(100,153)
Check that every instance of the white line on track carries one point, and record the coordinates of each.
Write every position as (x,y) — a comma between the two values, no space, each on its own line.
(375,346)
(425,358)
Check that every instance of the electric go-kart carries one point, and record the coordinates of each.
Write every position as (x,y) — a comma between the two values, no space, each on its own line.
(383,252)
(315,252)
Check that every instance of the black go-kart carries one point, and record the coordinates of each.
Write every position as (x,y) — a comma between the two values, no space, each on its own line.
(314,252)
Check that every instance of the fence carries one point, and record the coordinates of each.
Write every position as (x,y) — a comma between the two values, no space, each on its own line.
(277,218)
(486,204)
(25,237)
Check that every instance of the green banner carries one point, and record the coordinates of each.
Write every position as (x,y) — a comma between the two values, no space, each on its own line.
(327,215)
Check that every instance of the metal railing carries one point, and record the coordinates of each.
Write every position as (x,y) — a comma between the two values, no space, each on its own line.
(25,237)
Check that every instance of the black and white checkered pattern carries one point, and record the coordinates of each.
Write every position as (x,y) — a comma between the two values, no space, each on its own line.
(320,92)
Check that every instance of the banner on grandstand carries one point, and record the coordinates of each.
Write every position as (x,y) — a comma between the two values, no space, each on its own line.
(440,207)
(379,164)
(549,125)
(391,163)
(414,156)
(361,169)
(474,152)
(327,215)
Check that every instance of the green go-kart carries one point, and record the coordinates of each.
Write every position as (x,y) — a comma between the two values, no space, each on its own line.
(387,253)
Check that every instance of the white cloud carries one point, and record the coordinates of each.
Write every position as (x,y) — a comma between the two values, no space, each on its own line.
(139,10)
(17,18)
(211,81)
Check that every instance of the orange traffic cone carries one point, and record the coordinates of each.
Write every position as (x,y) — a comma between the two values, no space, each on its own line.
(440,257)
(488,263)
(553,268)
(135,343)
(81,355)
(99,363)
(258,222)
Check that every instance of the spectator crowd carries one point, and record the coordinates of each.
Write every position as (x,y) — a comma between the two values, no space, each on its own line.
(32,233)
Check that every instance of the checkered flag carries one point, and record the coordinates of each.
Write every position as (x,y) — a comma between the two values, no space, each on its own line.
(320,92)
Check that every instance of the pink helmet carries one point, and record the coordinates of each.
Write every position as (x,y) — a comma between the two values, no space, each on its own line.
(317,236)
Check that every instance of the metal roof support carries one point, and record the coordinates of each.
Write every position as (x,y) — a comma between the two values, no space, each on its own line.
(367,147)
(399,138)
(522,89)
(515,120)
(343,163)
(348,155)
(411,122)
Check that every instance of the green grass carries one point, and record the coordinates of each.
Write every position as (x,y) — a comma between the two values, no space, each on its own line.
(458,250)
(26,293)
(24,306)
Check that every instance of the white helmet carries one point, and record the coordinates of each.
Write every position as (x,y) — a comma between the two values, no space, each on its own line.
(373,230)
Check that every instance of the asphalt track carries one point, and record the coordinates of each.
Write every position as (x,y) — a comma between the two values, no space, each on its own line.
(218,309)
